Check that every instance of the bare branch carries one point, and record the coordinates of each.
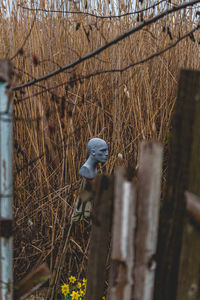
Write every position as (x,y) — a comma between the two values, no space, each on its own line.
(109,44)
(80,78)
(90,14)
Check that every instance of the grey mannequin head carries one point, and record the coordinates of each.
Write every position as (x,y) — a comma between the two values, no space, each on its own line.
(98,149)
(98,153)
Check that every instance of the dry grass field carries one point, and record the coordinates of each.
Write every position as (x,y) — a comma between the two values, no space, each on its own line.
(54,119)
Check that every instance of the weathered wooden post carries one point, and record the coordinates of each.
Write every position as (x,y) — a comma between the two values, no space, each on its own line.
(122,250)
(100,237)
(135,227)
(178,273)
(147,215)
(193,206)
(31,282)
(6,190)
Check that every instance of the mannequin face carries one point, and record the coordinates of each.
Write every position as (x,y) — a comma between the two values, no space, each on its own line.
(100,152)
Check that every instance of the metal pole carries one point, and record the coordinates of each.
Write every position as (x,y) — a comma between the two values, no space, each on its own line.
(6,240)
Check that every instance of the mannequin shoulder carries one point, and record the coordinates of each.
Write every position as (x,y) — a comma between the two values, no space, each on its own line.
(85,172)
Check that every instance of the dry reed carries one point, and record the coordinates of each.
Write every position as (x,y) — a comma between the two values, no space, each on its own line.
(51,129)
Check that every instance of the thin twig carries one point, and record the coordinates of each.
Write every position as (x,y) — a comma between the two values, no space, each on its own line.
(25,40)
(172,45)
(93,15)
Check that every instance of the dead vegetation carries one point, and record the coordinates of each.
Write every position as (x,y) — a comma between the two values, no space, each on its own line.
(55,118)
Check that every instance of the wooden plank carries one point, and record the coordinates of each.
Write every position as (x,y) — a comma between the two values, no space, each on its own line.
(35,279)
(148,203)
(122,256)
(100,237)
(193,206)
(189,267)
(178,273)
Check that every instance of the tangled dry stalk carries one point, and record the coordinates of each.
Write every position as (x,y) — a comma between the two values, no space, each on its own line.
(54,119)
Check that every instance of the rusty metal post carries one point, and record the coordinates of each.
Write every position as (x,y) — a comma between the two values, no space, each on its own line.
(6,241)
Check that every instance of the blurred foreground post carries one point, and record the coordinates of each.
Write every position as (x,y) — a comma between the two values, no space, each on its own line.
(178,275)
(100,237)
(6,191)
(147,214)
(135,227)
(122,255)
(31,282)
(193,206)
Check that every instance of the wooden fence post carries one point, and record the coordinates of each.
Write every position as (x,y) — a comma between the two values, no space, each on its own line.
(193,206)
(122,256)
(147,213)
(31,282)
(178,274)
(100,237)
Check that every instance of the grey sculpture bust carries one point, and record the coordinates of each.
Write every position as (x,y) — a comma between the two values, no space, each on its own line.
(98,153)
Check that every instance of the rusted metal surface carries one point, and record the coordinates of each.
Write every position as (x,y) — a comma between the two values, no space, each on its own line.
(122,255)
(6,265)
(148,204)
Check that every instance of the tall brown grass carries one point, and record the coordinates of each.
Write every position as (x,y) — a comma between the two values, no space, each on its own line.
(51,129)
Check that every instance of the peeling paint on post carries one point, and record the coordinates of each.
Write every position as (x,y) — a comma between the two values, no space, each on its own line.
(6,259)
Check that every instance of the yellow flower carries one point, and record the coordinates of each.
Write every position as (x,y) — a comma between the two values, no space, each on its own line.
(72,279)
(82,293)
(65,289)
(75,295)
(79,285)
(103,298)
(84,280)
